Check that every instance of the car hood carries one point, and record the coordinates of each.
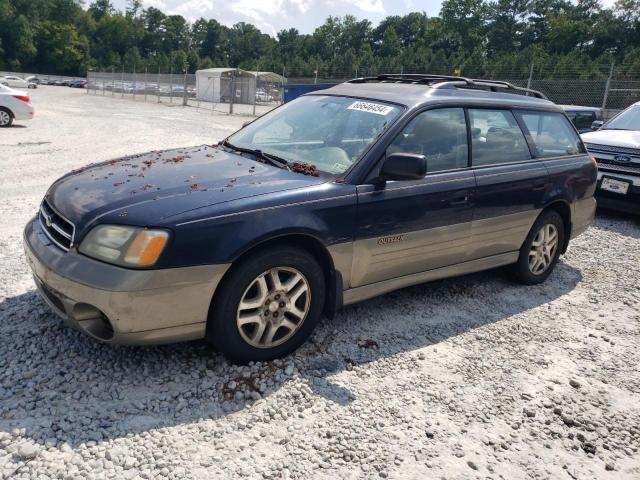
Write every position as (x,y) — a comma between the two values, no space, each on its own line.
(156,185)
(614,138)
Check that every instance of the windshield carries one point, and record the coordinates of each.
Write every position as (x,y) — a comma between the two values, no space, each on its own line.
(629,119)
(327,132)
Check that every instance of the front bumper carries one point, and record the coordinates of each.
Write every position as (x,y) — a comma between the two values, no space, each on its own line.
(629,202)
(120,305)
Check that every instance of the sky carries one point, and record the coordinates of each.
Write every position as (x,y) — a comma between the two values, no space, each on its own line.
(271,16)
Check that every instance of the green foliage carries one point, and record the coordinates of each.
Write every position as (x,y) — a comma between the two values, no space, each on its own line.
(498,38)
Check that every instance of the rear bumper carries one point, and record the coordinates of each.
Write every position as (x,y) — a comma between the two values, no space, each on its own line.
(25,112)
(119,305)
(582,216)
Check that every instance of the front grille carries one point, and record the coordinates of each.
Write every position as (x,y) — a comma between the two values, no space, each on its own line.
(594,147)
(59,230)
(606,164)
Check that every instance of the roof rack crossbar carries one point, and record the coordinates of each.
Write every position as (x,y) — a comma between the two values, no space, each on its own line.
(447,81)
(493,85)
(408,78)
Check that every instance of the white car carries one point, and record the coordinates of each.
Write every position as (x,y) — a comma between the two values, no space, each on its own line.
(14,105)
(16,82)
(616,148)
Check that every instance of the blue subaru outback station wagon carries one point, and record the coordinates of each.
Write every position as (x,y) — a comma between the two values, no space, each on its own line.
(333,198)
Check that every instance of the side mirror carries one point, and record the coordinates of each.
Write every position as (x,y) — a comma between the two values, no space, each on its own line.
(404,166)
(597,125)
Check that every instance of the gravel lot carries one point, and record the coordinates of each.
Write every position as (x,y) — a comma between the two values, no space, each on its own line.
(473,377)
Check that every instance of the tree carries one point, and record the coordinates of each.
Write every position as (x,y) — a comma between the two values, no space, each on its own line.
(497,38)
(465,21)
(100,9)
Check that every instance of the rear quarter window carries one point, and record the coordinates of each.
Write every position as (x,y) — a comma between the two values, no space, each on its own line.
(551,134)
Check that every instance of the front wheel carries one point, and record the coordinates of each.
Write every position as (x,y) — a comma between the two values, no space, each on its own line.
(541,249)
(268,305)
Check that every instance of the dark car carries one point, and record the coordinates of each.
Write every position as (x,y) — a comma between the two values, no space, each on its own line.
(78,83)
(331,199)
(583,117)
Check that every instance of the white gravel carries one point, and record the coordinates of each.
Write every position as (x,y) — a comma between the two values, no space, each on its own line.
(472,377)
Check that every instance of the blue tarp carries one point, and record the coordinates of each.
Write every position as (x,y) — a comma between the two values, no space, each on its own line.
(294,90)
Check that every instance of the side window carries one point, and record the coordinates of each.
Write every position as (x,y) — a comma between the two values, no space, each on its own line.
(551,134)
(440,135)
(496,138)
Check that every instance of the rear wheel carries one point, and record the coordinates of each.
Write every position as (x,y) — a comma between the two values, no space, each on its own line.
(541,250)
(268,305)
(6,118)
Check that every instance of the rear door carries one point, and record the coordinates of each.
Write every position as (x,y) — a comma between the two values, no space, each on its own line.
(510,183)
(407,227)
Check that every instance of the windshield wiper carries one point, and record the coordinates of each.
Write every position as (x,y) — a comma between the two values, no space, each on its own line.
(271,158)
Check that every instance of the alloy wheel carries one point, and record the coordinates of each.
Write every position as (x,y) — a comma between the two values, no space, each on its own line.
(5,118)
(273,307)
(543,249)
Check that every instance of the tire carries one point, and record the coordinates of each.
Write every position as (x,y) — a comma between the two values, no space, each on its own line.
(538,254)
(246,312)
(6,117)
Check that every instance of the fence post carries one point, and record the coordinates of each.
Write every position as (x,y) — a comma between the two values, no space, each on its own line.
(530,77)
(282,85)
(184,91)
(233,91)
(145,84)
(158,82)
(135,82)
(255,92)
(171,84)
(122,83)
(607,86)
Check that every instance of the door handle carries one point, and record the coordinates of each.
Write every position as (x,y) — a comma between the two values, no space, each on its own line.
(539,186)
(459,200)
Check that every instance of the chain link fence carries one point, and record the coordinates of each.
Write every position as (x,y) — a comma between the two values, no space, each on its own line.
(610,87)
(44,79)
(237,91)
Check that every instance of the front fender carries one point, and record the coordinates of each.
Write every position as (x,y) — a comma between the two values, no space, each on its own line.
(327,214)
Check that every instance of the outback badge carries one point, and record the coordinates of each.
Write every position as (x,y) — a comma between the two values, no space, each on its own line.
(393,239)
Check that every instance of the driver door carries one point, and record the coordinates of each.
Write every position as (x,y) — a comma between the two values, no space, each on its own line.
(407,227)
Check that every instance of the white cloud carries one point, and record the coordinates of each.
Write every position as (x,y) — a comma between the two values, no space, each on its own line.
(261,11)
(370,6)
(193,9)
(159,4)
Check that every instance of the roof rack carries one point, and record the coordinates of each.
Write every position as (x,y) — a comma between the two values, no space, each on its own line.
(447,81)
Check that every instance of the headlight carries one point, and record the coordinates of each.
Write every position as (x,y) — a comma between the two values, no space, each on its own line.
(123,245)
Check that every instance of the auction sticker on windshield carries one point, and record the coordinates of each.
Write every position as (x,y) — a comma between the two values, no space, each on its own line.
(369,107)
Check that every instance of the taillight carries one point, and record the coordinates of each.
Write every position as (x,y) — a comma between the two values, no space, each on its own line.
(594,162)
(24,98)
